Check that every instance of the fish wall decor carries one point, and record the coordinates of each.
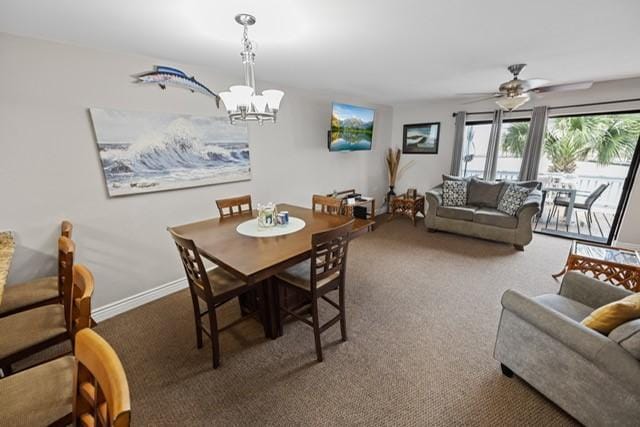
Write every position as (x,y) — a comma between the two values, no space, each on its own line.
(167,76)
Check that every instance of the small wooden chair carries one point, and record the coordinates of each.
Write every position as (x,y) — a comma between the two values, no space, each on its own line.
(28,332)
(327,204)
(234,206)
(88,389)
(215,288)
(323,273)
(43,290)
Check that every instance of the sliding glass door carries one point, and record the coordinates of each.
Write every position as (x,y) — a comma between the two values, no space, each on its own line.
(584,164)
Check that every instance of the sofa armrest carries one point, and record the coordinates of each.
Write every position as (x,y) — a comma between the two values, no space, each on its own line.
(579,338)
(599,349)
(531,205)
(589,291)
(434,198)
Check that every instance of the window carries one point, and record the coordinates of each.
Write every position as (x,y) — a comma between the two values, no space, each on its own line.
(513,138)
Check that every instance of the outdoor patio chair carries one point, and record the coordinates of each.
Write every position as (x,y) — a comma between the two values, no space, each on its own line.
(586,204)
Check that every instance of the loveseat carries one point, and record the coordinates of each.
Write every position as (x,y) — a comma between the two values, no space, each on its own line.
(480,216)
(592,376)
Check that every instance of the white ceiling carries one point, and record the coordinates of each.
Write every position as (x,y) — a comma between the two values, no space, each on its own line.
(386,51)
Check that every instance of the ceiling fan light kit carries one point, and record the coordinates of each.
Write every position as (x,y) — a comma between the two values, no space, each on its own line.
(515,92)
(242,102)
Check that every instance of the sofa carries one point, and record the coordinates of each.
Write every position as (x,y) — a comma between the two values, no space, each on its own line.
(480,217)
(593,377)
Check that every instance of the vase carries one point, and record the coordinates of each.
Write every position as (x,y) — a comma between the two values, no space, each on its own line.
(391,192)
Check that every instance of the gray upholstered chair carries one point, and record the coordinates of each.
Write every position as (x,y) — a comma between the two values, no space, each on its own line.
(593,377)
(585,204)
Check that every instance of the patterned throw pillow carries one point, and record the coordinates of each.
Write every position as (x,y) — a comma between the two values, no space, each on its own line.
(454,193)
(512,199)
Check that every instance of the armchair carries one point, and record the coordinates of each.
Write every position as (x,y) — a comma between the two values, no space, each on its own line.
(593,377)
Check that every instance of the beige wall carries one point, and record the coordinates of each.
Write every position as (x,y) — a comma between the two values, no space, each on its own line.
(426,170)
(50,170)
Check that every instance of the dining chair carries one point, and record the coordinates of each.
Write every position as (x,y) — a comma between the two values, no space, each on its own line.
(88,389)
(327,204)
(586,204)
(324,272)
(234,206)
(43,290)
(29,332)
(215,288)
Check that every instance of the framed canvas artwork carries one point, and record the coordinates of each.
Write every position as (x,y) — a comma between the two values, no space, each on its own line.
(421,138)
(146,152)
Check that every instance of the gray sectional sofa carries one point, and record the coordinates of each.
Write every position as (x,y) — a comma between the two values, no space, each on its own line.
(480,217)
(593,377)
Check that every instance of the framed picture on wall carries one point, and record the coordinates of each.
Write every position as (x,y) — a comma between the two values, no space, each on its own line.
(421,138)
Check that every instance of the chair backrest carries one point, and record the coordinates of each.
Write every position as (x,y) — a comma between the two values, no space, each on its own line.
(595,195)
(66,253)
(329,254)
(193,267)
(101,396)
(66,229)
(77,303)
(328,205)
(234,206)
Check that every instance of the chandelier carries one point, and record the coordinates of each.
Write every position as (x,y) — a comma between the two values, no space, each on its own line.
(242,102)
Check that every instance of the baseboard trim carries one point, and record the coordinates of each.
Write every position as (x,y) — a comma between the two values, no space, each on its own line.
(632,246)
(129,303)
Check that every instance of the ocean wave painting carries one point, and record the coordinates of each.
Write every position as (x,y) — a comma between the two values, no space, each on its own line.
(145,152)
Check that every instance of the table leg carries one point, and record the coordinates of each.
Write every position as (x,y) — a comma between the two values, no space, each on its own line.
(544,199)
(572,201)
(273,310)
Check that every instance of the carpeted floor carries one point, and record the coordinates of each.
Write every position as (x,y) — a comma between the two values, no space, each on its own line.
(422,315)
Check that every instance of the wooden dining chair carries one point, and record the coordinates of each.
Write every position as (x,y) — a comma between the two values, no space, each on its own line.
(234,206)
(326,204)
(315,278)
(88,389)
(101,392)
(28,332)
(215,288)
(43,290)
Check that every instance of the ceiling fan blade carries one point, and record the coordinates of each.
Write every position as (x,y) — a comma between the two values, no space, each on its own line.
(529,84)
(563,87)
(476,94)
(486,98)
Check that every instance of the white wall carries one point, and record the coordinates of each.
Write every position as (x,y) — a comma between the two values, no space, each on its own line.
(426,170)
(50,169)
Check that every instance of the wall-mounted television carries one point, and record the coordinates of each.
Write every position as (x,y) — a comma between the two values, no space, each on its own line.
(351,128)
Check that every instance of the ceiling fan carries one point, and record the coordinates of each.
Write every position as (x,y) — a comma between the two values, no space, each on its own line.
(516,92)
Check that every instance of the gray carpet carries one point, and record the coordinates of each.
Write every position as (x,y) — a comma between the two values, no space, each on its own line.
(422,315)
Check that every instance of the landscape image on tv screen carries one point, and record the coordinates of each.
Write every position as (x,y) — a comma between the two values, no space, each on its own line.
(351,128)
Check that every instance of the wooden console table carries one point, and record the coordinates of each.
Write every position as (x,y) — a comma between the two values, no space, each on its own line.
(618,266)
(409,206)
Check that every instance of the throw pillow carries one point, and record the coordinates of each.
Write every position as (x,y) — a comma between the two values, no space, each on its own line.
(531,185)
(484,193)
(512,199)
(627,336)
(454,193)
(608,317)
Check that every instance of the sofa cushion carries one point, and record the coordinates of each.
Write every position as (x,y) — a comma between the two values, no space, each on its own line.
(608,317)
(570,308)
(484,193)
(464,213)
(494,217)
(628,336)
(454,193)
(512,199)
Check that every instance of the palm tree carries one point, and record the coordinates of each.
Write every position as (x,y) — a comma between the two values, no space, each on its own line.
(568,140)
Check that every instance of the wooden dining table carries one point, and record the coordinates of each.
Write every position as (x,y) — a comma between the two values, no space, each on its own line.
(257,259)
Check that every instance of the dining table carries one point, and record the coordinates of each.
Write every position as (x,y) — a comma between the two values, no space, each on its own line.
(570,191)
(256,260)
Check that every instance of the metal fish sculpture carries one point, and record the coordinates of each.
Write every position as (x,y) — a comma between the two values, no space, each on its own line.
(168,76)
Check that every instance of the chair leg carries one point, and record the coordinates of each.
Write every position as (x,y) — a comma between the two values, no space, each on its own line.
(316,327)
(343,314)
(215,344)
(198,319)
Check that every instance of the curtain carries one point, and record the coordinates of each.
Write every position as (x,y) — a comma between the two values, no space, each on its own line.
(458,143)
(535,141)
(492,150)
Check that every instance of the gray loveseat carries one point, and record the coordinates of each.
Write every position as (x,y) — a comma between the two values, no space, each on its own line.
(593,377)
(480,218)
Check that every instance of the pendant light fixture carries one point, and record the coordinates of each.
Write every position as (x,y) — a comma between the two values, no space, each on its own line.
(242,102)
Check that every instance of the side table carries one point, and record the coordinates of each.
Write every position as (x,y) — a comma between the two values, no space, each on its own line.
(409,206)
